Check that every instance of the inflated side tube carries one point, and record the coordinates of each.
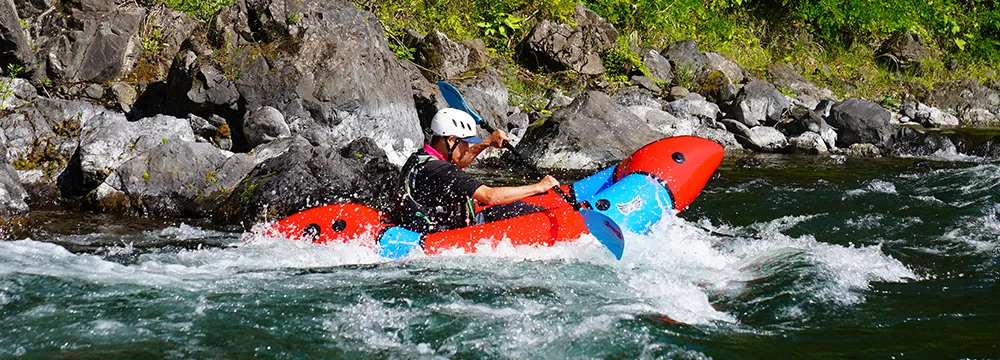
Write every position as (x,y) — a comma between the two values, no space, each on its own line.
(635,202)
(398,243)
(586,188)
(683,164)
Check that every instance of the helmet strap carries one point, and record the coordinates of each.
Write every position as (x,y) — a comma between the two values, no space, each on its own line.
(451,148)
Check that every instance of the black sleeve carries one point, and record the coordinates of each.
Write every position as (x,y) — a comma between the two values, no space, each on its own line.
(450,178)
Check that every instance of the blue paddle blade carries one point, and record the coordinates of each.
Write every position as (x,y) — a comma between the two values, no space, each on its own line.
(605,230)
(456,100)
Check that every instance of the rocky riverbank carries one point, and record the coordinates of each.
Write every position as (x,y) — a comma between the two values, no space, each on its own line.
(272,106)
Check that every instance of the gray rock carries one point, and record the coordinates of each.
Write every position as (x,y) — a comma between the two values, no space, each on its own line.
(98,45)
(558,102)
(264,124)
(786,77)
(717,87)
(659,67)
(903,50)
(177,178)
(558,47)
(694,109)
(764,139)
(808,143)
(859,150)
(678,92)
(488,96)
(759,102)
(663,122)
(973,103)
(860,121)
(441,57)
(909,142)
(94,91)
(721,136)
(712,61)
(306,176)
(823,108)
(19,92)
(108,140)
(684,57)
(646,83)
(14,47)
(125,95)
(635,96)
(27,9)
(13,198)
(934,117)
(589,134)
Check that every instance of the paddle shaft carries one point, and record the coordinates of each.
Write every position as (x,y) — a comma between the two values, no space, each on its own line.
(507,145)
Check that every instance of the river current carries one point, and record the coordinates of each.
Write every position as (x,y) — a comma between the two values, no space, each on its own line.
(779,257)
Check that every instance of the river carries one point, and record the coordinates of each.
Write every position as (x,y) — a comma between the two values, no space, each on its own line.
(779,257)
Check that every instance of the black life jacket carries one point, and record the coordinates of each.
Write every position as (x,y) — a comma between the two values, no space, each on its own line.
(420,218)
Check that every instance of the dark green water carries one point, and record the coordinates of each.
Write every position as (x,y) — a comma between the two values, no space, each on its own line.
(780,258)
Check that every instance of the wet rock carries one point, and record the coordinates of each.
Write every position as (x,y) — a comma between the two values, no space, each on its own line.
(14,47)
(13,198)
(808,143)
(263,125)
(803,120)
(590,133)
(558,47)
(909,142)
(934,117)
(859,150)
(306,176)
(108,140)
(902,51)
(759,138)
(178,178)
(759,102)
(860,121)
(659,67)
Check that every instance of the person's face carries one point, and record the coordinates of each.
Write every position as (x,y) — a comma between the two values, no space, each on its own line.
(460,151)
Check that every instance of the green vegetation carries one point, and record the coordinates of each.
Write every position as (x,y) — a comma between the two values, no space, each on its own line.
(832,42)
(152,42)
(202,9)
(6,85)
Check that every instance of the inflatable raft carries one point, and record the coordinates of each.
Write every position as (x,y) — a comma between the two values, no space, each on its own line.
(660,179)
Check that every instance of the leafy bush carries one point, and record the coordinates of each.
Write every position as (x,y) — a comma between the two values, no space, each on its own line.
(203,9)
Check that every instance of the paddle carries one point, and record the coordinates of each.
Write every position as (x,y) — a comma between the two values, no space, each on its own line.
(601,226)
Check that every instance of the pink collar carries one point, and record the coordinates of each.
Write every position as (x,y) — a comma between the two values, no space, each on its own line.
(430,151)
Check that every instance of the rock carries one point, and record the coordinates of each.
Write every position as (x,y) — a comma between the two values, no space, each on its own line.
(712,62)
(336,83)
(426,96)
(808,143)
(663,122)
(108,140)
(646,83)
(684,58)
(721,136)
(973,103)
(694,109)
(125,95)
(13,198)
(264,124)
(659,67)
(558,47)
(765,139)
(786,77)
(717,87)
(487,95)
(934,117)
(558,102)
(902,51)
(94,91)
(175,178)
(759,102)
(860,121)
(859,150)
(19,91)
(174,27)
(804,120)
(591,133)
(635,96)
(27,9)
(306,176)
(197,87)
(97,43)
(14,47)
(909,142)
(678,92)
(441,57)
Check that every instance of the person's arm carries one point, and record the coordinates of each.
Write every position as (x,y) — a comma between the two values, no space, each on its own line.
(506,195)
(495,139)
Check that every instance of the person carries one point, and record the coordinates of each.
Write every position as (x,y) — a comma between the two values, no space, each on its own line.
(437,195)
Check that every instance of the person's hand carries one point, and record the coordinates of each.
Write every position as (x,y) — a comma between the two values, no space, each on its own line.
(547,183)
(497,138)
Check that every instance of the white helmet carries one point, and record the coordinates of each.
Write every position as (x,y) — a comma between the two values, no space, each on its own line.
(457,123)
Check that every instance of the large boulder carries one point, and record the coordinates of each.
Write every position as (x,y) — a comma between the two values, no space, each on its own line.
(589,134)
(98,42)
(758,138)
(13,198)
(973,103)
(263,125)
(759,102)
(175,178)
(443,58)
(664,122)
(306,176)
(659,67)
(487,94)
(558,47)
(685,58)
(694,107)
(109,140)
(860,122)
(14,47)
(808,143)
